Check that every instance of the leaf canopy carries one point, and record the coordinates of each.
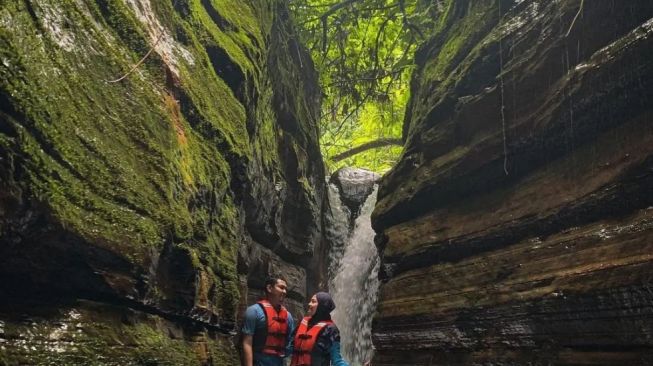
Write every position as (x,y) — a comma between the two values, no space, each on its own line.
(363,50)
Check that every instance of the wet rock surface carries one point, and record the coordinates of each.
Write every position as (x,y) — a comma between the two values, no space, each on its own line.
(169,191)
(354,186)
(516,228)
(92,333)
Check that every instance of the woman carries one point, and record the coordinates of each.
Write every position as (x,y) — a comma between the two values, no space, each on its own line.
(317,341)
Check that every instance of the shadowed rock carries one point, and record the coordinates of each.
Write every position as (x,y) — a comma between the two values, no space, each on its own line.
(516,229)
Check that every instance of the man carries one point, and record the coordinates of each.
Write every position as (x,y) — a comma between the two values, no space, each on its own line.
(268,327)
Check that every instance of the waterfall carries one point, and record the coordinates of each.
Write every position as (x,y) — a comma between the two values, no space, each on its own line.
(337,230)
(354,286)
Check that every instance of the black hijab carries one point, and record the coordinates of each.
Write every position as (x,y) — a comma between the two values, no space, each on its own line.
(325,306)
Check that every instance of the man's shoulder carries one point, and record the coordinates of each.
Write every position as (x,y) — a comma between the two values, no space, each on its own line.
(254,306)
(257,310)
(254,310)
(254,318)
(289,313)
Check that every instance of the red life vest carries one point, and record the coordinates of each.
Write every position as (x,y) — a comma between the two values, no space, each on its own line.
(305,340)
(277,334)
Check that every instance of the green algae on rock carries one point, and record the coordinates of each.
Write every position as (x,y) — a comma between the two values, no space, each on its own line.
(142,192)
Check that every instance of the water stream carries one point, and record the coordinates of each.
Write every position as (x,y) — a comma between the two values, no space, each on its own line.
(354,283)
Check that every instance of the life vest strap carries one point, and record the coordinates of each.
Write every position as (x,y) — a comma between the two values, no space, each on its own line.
(272,352)
(275,347)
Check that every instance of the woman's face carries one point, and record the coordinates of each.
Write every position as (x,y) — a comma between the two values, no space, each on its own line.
(312,306)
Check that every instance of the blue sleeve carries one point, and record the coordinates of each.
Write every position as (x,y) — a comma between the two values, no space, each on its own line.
(336,357)
(291,335)
(251,317)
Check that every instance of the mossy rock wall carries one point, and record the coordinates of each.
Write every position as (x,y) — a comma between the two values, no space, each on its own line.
(517,227)
(145,185)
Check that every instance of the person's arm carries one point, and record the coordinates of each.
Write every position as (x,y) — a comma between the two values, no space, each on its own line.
(291,336)
(249,328)
(248,352)
(336,357)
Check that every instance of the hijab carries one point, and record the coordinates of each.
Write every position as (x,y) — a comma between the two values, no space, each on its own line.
(325,306)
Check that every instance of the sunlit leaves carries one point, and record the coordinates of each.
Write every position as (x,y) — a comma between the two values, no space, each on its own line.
(363,50)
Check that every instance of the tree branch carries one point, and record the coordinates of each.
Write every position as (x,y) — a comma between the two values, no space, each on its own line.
(325,16)
(408,24)
(386,141)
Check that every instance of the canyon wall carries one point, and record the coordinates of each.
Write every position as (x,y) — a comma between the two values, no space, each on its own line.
(157,160)
(517,229)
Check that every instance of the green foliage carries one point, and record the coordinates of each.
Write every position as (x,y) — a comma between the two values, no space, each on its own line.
(363,50)
(373,121)
(94,334)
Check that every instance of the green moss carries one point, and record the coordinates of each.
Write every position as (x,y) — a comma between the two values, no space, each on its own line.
(236,46)
(100,335)
(119,163)
(123,22)
(446,15)
(460,36)
(223,352)
(132,165)
(466,30)
(81,162)
(155,348)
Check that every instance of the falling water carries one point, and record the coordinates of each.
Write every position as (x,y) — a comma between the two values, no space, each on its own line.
(337,230)
(354,287)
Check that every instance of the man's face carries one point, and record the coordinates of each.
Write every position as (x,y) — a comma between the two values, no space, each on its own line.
(277,293)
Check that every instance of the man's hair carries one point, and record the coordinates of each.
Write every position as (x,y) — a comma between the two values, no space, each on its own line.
(272,280)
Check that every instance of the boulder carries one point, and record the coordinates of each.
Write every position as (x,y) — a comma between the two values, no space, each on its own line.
(354,185)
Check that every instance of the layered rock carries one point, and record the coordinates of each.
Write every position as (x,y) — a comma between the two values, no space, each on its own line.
(517,227)
(142,198)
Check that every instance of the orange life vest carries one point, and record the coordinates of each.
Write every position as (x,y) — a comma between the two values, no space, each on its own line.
(277,332)
(305,340)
